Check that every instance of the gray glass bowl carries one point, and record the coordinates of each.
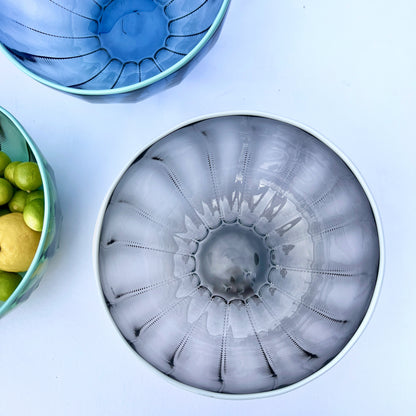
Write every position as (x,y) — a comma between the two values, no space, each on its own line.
(239,255)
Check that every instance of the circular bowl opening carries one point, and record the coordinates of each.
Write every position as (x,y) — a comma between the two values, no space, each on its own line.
(106,46)
(20,147)
(240,255)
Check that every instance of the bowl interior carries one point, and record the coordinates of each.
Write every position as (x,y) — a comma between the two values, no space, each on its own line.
(19,147)
(12,141)
(238,254)
(106,44)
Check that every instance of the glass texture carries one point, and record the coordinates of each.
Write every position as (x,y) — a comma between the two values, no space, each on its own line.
(107,44)
(238,254)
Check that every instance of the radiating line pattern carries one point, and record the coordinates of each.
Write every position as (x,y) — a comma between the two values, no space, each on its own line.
(238,254)
(101,45)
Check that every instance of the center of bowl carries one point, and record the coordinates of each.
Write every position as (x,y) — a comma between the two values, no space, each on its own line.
(133,30)
(232,262)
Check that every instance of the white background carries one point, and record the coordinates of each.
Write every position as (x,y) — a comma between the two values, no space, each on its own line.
(345,68)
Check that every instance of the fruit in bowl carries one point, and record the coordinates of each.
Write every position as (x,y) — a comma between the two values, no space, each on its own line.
(30,215)
(20,229)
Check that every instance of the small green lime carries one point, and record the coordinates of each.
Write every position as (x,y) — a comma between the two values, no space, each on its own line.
(4,161)
(27,176)
(18,201)
(9,171)
(8,283)
(31,196)
(6,191)
(33,214)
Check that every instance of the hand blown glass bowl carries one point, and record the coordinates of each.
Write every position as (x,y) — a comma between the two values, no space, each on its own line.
(20,147)
(239,254)
(97,47)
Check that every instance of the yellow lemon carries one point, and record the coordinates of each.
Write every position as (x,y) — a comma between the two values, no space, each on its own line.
(18,243)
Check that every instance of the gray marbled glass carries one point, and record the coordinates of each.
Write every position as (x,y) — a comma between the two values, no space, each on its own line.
(238,254)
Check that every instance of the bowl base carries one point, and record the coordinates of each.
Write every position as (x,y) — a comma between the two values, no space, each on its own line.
(232,262)
(132,31)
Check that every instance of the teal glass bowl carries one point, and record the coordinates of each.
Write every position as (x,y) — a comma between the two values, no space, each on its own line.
(19,146)
(104,47)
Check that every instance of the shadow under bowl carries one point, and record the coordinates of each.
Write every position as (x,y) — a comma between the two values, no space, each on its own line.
(100,47)
(240,255)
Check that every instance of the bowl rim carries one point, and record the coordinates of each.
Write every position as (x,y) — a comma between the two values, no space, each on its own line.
(374,298)
(138,85)
(8,304)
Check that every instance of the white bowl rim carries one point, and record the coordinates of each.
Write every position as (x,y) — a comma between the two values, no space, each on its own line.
(374,298)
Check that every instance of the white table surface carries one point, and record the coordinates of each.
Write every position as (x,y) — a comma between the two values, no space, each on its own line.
(345,68)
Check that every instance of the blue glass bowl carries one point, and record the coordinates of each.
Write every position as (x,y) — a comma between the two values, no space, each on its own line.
(19,146)
(97,47)
(239,255)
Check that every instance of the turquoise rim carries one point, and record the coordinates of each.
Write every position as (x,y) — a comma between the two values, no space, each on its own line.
(9,303)
(139,85)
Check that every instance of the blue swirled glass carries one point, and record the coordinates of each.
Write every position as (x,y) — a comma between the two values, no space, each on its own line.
(238,254)
(106,45)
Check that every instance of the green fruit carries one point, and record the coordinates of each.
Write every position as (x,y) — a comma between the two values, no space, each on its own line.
(27,177)
(9,171)
(18,201)
(4,161)
(31,196)
(8,283)
(6,191)
(33,214)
